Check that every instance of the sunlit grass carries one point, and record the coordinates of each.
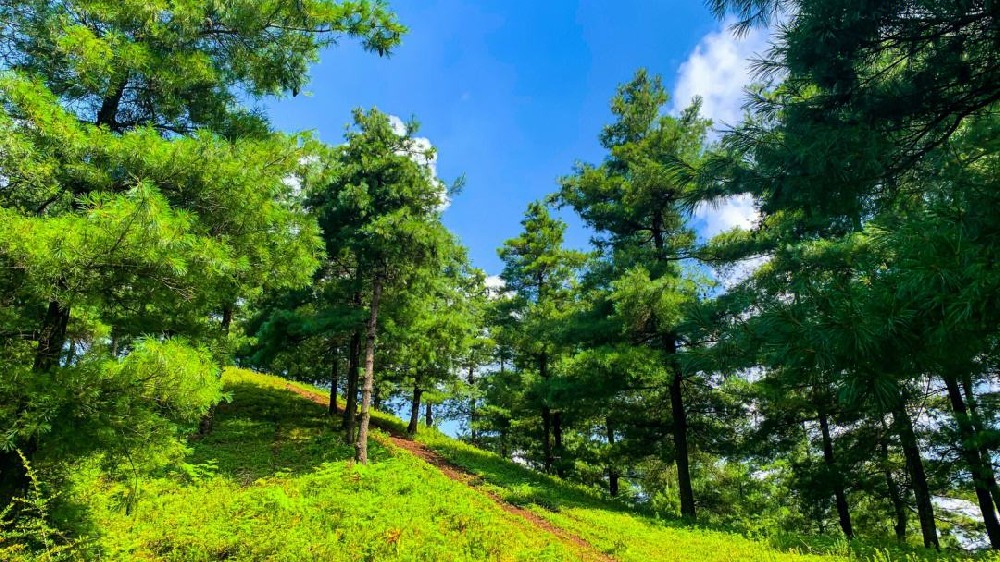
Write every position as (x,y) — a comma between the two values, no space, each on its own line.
(275,481)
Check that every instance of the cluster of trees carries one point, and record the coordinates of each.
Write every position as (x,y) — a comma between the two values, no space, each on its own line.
(149,213)
(153,227)
(392,273)
(843,377)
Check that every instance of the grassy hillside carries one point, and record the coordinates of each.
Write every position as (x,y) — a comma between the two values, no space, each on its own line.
(273,481)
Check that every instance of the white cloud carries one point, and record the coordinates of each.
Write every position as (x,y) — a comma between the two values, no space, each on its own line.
(496,287)
(419,148)
(727,214)
(420,145)
(718,70)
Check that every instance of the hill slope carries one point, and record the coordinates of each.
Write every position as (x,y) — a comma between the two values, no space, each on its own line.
(273,481)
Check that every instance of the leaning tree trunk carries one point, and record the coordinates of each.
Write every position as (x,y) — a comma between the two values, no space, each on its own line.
(840,496)
(415,409)
(974,461)
(984,451)
(918,478)
(353,368)
(361,447)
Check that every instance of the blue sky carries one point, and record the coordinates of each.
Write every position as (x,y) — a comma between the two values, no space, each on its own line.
(512,93)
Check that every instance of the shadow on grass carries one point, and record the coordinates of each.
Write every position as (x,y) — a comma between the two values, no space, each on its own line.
(518,484)
(269,431)
(522,486)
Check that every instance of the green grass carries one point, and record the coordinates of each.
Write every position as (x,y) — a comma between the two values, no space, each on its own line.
(629,536)
(274,481)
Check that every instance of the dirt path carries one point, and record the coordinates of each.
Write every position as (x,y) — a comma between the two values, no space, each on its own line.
(579,545)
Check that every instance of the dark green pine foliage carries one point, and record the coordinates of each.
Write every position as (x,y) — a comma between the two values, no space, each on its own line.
(634,201)
(381,208)
(868,164)
(540,273)
(143,205)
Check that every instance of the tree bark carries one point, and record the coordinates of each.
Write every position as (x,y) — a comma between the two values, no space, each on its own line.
(428,415)
(361,447)
(840,496)
(50,341)
(984,450)
(353,368)
(472,403)
(334,378)
(51,337)
(415,409)
(227,318)
(108,112)
(557,435)
(680,426)
(974,461)
(680,431)
(895,496)
(612,471)
(543,372)
(918,478)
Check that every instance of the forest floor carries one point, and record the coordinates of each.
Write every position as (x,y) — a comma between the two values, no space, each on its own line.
(275,481)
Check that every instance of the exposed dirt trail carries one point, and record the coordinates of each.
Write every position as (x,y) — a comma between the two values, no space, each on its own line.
(579,545)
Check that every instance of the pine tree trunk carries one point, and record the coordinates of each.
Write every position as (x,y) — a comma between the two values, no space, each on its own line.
(50,341)
(612,472)
(51,337)
(353,370)
(984,451)
(915,466)
(428,415)
(974,461)
(472,403)
(414,410)
(840,496)
(895,496)
(361,447)
(108,112)
(543,372)
(680,431)
(334,378)
(557,435)
(227,318)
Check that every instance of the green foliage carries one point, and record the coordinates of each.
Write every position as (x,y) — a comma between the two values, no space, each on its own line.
(119,61)
(27,532)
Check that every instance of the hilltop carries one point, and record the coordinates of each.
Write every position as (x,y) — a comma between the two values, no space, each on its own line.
(274,481)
